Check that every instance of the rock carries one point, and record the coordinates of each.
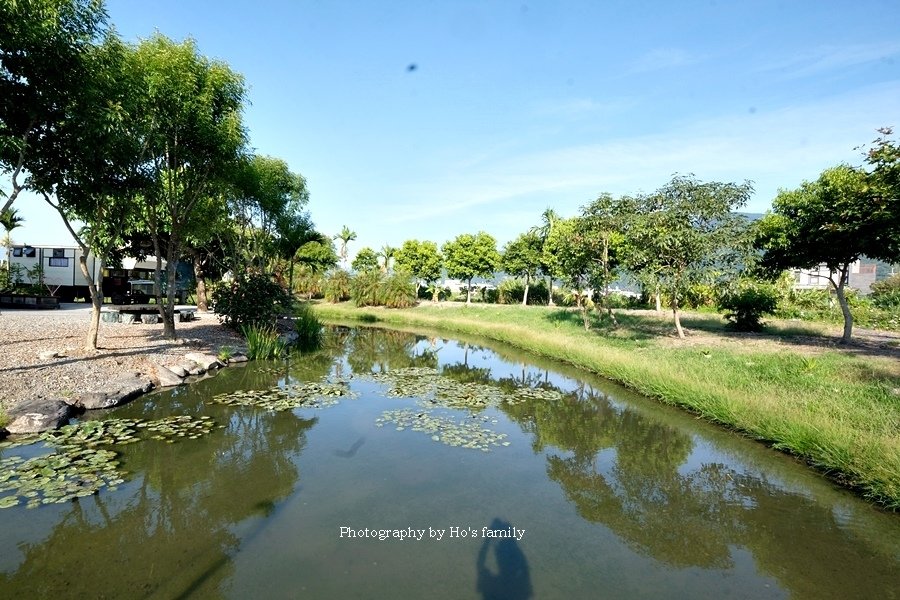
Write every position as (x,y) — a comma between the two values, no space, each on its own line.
(35,416)
(47,355)
(237,358)
(178,370)
(193,368)
(166,378)
(119,391)
(126,318)
(207,361)
(149,319)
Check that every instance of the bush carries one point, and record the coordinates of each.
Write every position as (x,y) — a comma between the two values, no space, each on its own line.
(747,303)
(364,288)
(263,342)
(886,293)
(337,286)
(308,328)
(511,291)
(251,299)
(396,291)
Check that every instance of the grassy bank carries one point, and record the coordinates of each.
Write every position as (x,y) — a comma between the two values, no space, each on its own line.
(836,409)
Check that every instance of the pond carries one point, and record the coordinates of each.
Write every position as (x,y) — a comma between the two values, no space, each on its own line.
(394,465)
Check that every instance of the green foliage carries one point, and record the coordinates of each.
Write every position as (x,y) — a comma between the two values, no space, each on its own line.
(252,299)
(512,291)
(373,288)
(263,342)
(308,328)
(225,353)
(366,260)
(364,289)
(470,256)
(747,302)
(886,293)
(397,291)
(337,286)
(421,259)
(522,256)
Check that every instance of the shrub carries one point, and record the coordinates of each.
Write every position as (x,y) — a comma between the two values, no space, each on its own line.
(886,293)
(337,286)
(747,303)
(251,299)
(511,291)
(364,288)
(308,328)
(396,291)
(263,342)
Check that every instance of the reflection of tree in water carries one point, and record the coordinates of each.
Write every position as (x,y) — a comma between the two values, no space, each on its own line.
(378,350)
(174,535)
(695,518)
(512,580)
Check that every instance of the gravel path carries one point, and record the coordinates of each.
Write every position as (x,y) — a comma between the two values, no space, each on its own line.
(25,334)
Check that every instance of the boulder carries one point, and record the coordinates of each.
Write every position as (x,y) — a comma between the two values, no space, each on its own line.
(178,370)
(193,368)
(207,361)
(35,416)
(116,392)
(237,358)
(149,319)
(48,354)
(166,378)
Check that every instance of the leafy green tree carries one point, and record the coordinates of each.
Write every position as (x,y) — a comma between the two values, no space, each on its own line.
(346,236)
(422,260)
(193,139)
(549,219)
(832,221)
(366,260)
(43,64)
(317,255)
(10,220)
(601,232)
(470,256)
(686,232)
(522,258)
(573,259)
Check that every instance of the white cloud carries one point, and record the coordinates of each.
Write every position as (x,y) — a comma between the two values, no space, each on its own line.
(775,149)
(829,57)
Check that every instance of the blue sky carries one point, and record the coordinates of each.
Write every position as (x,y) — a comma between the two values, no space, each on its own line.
(514,107)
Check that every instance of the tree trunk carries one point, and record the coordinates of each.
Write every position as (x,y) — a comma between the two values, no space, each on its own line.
(435,294)
(550,291)
(677,316)
(96,291)
(469,292)
(658,299)
(842,301)
(200,278)
(584,315)
(525,295)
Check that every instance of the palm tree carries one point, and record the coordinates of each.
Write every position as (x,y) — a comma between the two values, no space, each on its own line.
(10,220)
(387,253)
(346,236)
(549,219)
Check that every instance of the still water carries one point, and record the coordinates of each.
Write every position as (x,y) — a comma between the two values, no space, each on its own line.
(597,492)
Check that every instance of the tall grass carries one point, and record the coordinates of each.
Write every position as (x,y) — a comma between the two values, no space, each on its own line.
(837,411)
(308,328)
(263,343)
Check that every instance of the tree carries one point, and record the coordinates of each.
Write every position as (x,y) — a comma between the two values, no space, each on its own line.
(470,256)
(194,139)
(387,254)
(831,221)
(346,236)
(549,218)
(522,258)
(366,260)
(573,259)
(43,49)
(422,260)
(600,230)
(685,232)
(10,220)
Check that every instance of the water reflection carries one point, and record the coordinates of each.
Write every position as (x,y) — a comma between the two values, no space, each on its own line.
(176,525)
(507,578)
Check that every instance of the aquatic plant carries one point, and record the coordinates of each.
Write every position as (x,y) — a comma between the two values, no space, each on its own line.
(308,328)
(309,394)
(263,342)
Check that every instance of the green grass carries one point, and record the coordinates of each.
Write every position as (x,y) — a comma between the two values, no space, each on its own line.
(263,343)
(838,411)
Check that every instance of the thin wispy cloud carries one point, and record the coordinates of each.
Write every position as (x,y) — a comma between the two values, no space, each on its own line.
(660,59)
(776,149)
(832,58)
